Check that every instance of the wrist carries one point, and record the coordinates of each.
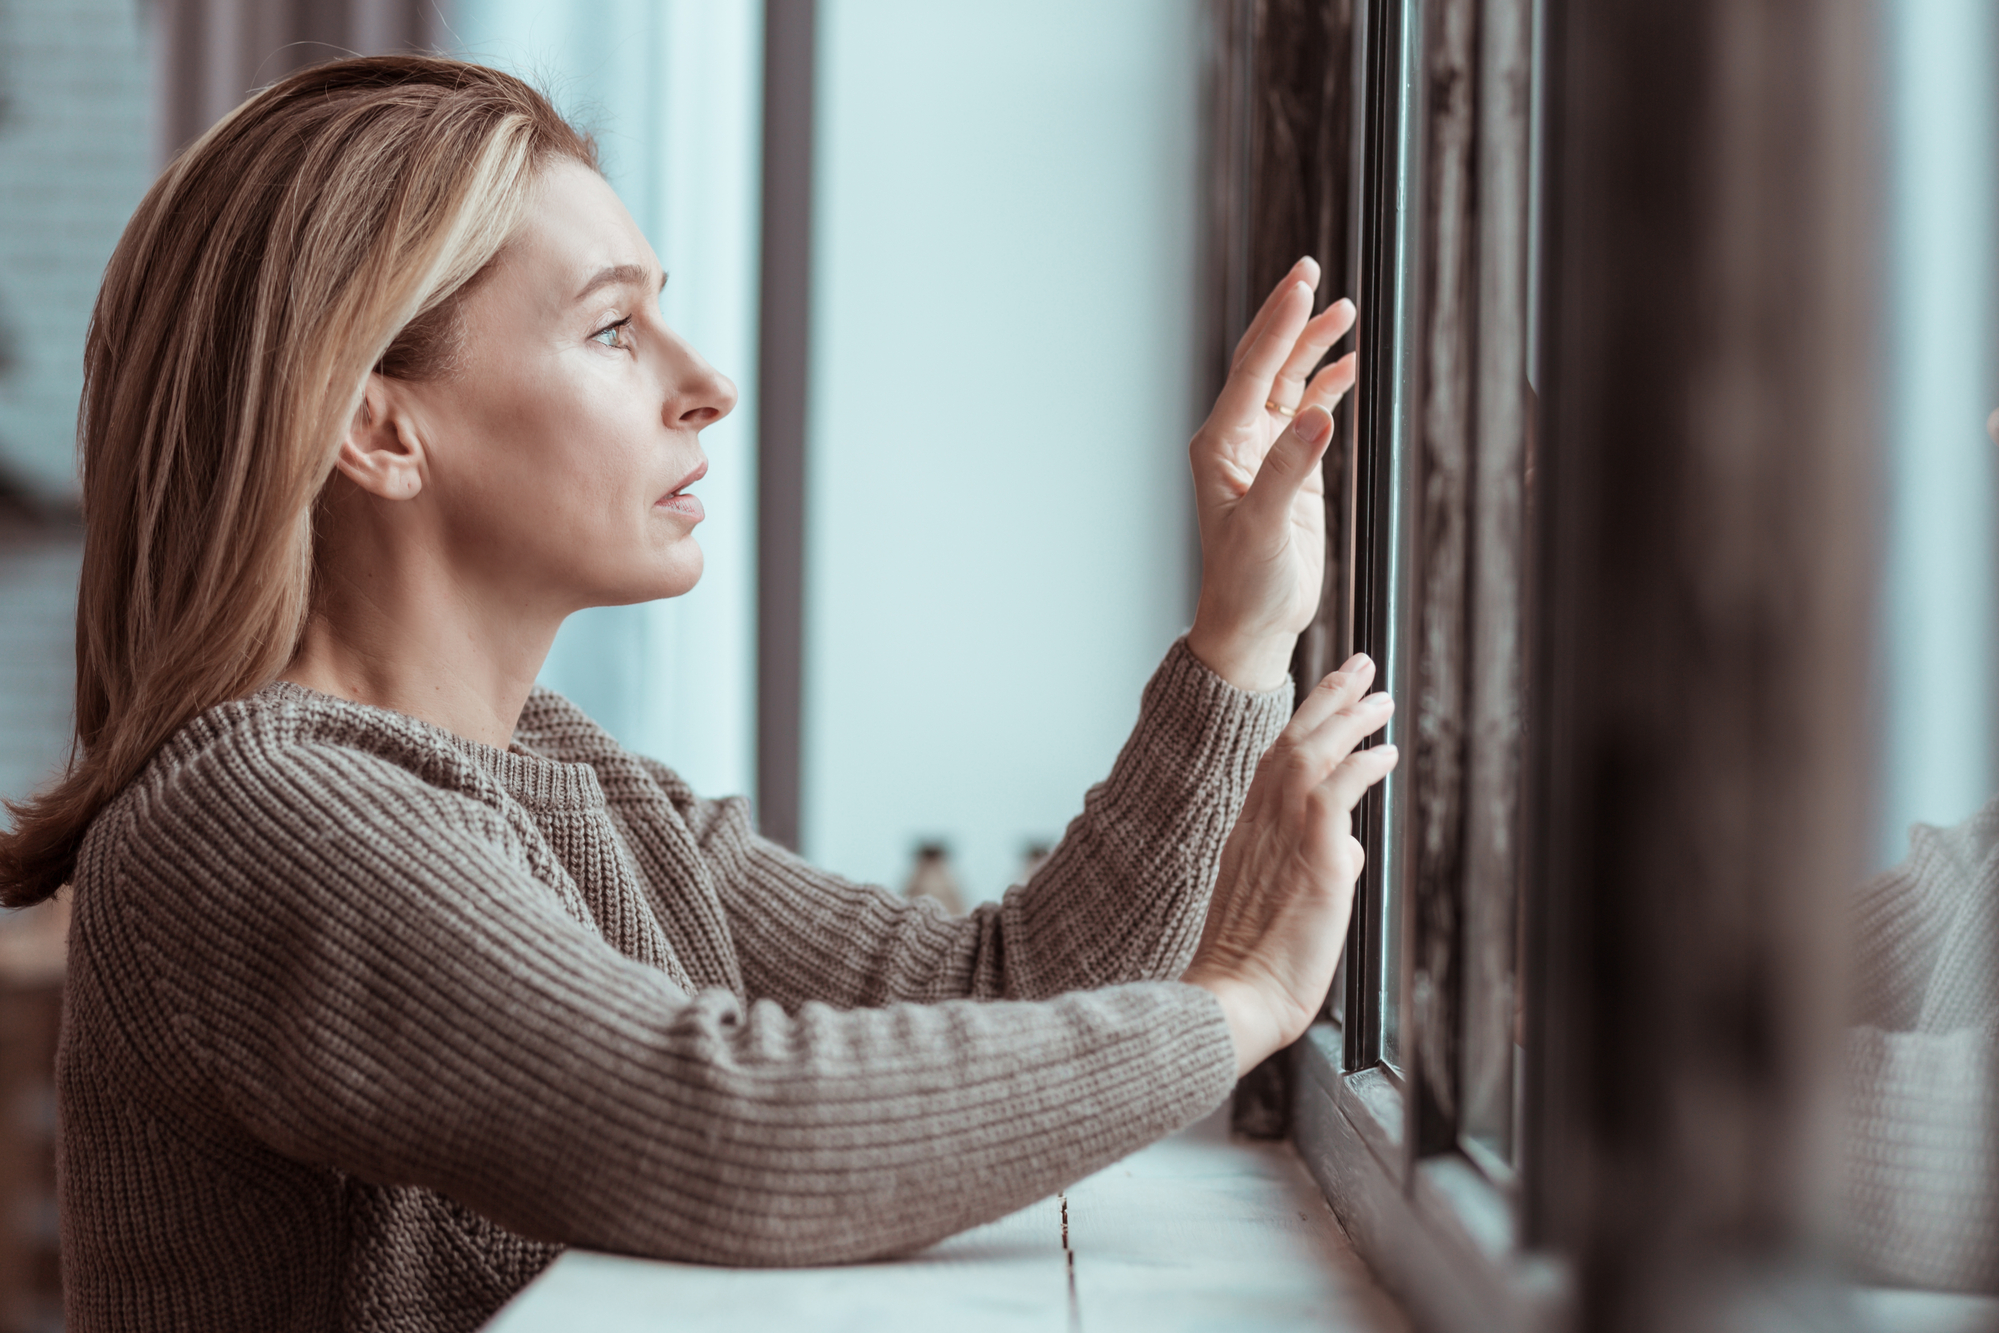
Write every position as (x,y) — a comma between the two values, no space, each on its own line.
(1251,1028)
(1253,663)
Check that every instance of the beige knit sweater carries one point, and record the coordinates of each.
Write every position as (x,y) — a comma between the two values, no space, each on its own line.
(1922,1065)
(366,1021)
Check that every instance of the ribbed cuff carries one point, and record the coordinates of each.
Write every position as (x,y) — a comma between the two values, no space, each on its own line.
(1193,722)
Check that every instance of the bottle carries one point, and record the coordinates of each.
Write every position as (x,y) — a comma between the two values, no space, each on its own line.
(932,878)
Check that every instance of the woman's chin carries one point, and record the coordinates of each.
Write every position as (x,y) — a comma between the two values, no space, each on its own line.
(677,574)
(651,577)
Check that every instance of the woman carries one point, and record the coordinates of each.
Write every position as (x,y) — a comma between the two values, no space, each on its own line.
(391,974)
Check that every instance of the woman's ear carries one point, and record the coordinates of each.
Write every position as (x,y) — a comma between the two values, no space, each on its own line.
(383,453)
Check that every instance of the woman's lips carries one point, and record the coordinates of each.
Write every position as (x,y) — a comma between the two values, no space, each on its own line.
(680,502)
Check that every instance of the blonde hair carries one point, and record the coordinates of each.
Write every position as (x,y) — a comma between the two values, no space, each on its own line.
(322,230)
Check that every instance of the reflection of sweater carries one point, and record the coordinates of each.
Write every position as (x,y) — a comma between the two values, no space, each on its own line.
(365,1020)
(1922,1157)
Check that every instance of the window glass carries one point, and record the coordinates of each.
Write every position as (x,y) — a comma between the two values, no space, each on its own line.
(1442,219)
(1918,1048)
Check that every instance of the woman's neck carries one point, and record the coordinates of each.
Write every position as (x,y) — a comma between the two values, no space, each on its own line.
(411,638)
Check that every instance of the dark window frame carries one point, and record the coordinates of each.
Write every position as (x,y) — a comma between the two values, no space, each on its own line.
(1699,155)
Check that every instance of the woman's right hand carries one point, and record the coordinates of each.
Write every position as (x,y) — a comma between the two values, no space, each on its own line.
(1278,919)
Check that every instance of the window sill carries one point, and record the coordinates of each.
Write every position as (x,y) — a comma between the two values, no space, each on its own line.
(1194,1232)
(1445,1244)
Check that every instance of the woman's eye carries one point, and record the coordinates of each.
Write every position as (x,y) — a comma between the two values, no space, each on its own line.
(611,335)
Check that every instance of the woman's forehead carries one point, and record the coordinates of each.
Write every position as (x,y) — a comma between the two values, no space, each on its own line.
(578,238)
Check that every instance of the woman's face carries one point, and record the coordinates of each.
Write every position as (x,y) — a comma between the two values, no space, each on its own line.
(561,449)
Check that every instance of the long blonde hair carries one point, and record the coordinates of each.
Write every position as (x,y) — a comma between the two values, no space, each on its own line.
(322,230)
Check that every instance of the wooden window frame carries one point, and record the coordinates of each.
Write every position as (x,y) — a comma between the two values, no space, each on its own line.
(1696,158)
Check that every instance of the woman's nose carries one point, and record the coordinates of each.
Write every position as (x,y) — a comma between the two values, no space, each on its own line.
(716,401)
(705,395)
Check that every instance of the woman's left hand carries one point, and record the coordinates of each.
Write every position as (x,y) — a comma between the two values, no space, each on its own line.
(1258,490)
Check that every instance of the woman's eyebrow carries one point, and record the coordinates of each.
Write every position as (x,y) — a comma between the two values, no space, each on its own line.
(631,275)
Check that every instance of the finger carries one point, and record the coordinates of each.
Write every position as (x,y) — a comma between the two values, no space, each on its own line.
(1291,462)
(1340,689)
(1315,754)
(1249,383)
(1306,270)
(1331,384)
(1360,770)
(1335,738)
(1249,335)
(1301,763)
(1320,333)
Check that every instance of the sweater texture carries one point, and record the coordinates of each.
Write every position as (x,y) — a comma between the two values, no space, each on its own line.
(1922,1137)
(365,1022)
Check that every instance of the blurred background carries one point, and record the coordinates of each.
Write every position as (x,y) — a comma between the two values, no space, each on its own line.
(1939,616)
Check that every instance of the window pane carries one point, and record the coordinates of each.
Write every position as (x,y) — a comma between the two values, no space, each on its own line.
(1921,1202)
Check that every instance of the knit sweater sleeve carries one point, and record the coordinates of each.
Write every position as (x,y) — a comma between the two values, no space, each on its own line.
(1921,1144)
(1921,1155)
(1121,898)
(341,959)
(1905,921)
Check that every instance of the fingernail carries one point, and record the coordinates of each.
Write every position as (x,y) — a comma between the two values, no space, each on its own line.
(1313,425)
(1376,700)
(1357,661)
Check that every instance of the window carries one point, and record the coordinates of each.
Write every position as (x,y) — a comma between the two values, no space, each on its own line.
(1601,510)
(1410,124)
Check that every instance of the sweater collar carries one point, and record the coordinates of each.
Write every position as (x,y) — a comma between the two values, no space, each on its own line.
(533,779)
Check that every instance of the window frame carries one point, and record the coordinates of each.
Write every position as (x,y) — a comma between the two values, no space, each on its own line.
(1505,625)
(1439,1218)
(1434,498)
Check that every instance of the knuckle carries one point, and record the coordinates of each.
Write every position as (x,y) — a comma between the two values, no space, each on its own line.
(1305,767)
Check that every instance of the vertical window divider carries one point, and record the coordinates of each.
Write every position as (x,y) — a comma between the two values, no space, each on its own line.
(1439,454)
(1376,24)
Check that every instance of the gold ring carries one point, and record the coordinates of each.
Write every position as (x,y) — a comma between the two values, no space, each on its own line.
(1271,405)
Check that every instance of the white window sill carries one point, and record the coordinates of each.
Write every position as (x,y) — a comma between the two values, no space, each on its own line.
(1895,1310)
(1197,1232)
